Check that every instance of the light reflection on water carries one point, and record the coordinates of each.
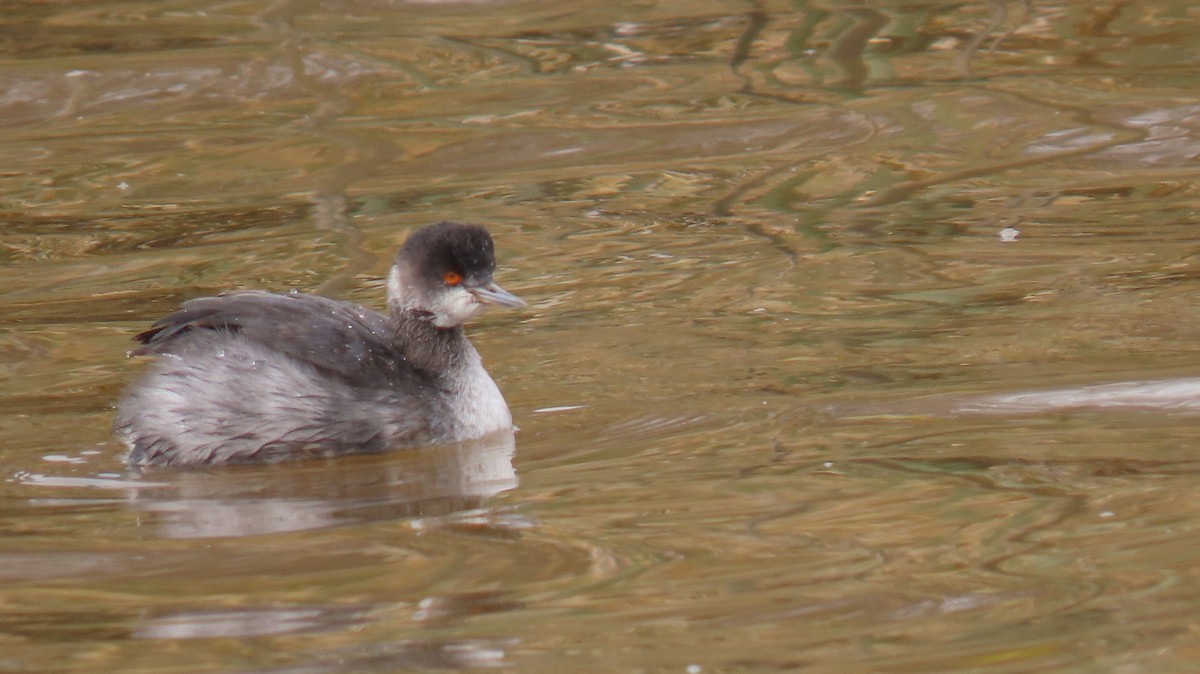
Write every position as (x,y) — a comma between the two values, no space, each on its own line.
(421,484)
(787,399)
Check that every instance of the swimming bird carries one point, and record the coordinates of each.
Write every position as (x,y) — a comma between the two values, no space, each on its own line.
(260,377)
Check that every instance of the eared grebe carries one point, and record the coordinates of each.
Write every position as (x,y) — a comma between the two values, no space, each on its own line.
(255,376)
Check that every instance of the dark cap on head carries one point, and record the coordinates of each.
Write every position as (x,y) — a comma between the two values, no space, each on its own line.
(450,246)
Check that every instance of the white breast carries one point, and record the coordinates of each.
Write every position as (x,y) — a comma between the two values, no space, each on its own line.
(478,406)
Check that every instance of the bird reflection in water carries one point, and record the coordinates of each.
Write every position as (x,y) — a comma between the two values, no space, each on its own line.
(420,484)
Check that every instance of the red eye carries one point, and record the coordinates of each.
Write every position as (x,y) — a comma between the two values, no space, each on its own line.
(452,278)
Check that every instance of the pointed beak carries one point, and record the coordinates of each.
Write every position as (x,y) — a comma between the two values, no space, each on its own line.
(494,294)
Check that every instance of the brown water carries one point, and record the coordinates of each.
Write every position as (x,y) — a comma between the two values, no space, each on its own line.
(789,400)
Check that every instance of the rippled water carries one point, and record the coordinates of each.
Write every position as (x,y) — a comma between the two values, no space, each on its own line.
(861,338)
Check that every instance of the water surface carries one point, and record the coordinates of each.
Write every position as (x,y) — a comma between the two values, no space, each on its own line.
(861,338)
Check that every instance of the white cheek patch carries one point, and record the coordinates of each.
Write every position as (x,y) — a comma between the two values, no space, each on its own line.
(454,307)
(395,287)
(450,306)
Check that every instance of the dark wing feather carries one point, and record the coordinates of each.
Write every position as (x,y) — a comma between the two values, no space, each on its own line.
(341,339)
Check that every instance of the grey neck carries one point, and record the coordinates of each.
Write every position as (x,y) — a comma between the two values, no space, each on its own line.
(435,351)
